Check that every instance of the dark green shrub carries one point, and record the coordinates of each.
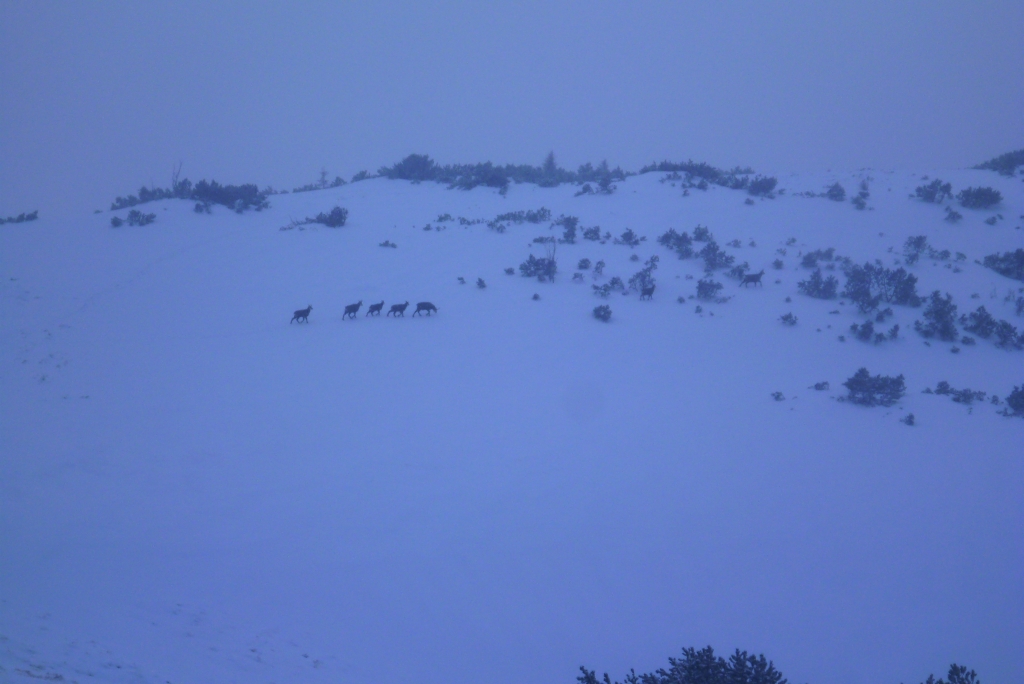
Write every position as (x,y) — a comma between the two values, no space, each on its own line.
(714,258)
(979,198)
(1015,402)
(935,192)
(707,289)
(543,268)
(335,219)
(762,186)
(1005,164)
(870,284)
(878,390)
(629,238)
(137,218)
(21,218)
(940,318)
(1009,264)
(819,287)
(836,192)
(603,313)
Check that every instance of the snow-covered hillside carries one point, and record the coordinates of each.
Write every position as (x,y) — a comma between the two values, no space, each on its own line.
(194,490)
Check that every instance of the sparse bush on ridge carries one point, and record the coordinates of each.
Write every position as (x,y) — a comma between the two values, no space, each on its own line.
(137,218)
(979,198)
(934,192)
(1005,164)
(762,186)
(236,197)
(1009,264)
(701,667)
(322,184)
(21,218)
(878,390)
(420,167)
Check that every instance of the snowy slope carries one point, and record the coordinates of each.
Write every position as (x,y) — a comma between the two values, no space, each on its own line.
(193,490)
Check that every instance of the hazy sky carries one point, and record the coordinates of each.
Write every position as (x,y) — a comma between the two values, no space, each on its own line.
(99,98)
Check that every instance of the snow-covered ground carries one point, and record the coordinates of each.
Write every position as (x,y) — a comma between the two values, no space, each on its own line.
(194,490)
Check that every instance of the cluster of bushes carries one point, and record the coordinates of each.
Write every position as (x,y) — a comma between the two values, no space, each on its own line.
(1009,264)
(134,218)
(701,667)
(644,278)
(543,268)
(865,332)
(979,198)
(811,259)
(835,192)
(878,390)
(1015,402)
(420,167)
(964,396)
(984,325)
(681,243)
(569,225)
(335,218)
(818,286)
(629,238)
(935,192)
(1005,164)
(708,289)
(917,245)
(605,290)
(704,173)
(236,197)
(714,257)
(871,284)
(499,223)
(20,218)
(860,201)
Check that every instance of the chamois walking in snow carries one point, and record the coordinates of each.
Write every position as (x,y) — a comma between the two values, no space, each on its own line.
(351,309)
(301,315)
(424,306)
(647,292)
(374,309)
(398,310)
(753,278)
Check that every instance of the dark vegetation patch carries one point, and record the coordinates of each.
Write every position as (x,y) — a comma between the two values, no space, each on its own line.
(979,198)
(939,318)
(420,167)
(714,257)
(1009,264)
(1005,164)
(680,243)
(878,390)
(236,197)
(335,218)
(322,183)
(983,324)
(1015,402)
(21,218)
(934,192)
(644,278)
(700,174)
(964,396)
(701,667)
(871,284)
(603,312)
(865,332)
(818,286)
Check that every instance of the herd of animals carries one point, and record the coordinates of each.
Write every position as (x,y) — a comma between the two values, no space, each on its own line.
(302,315)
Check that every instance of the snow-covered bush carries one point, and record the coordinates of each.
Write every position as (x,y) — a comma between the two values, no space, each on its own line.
(865,332)
(878,390)
(1015,402)
(789,319)
(762,186)
(952,215)
(979,198)
(870,284)
(704,667)
(137,218)
(811,259)
(542,268)
(682,243)
(714,258)
(583,265)
(644,278)
(702,234)
(819,287)
(592,233)
(603,313)
(940,318)
(20,218)
(707,289)
(1009,264)
(935,192)
(568,224)
(336,218)
(964,396)
(836,192)
(116,221)
(629,238)
(914,247)
(236,197)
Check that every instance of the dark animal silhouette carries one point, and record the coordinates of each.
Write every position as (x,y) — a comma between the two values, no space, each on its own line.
(374,309)
(301,315)
(351,309)
(398,310)
(647,292)
(424,306)
(753,278)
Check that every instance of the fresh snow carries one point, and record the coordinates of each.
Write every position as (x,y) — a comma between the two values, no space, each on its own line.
(193,490)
